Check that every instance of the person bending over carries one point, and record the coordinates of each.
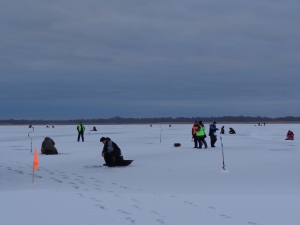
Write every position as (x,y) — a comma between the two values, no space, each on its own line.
(48,147)
(111,152)
(231,131)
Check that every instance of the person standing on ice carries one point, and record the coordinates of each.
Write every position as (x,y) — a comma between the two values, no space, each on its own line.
(194,131)
(111,152)
(212,134)
(201,135)
(80,129)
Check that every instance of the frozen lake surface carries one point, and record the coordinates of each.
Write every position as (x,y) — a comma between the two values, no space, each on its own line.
(163,185)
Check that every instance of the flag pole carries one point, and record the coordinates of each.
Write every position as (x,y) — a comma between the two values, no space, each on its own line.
(35,163)
(33,172)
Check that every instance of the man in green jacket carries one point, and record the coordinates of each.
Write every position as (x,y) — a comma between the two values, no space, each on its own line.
(200,133)
(80,128)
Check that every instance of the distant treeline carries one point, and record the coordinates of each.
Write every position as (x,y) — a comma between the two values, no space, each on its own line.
(170,120)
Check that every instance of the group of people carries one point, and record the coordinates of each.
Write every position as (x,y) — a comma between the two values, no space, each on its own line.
(111,152)
(198,133)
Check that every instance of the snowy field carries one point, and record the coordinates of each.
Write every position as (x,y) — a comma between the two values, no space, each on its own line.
(163,185)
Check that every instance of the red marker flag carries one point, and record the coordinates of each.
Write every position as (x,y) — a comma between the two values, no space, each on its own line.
(35,160)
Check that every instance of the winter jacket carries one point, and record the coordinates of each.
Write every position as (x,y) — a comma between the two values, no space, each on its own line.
(290,135)
(111,148)
(80,128)
(48,147)
(212,130)
(194,129)
(200,131)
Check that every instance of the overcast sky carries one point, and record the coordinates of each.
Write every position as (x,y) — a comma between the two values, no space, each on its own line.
(71,59)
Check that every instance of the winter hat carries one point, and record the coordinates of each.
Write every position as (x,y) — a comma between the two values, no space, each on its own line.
(102,139)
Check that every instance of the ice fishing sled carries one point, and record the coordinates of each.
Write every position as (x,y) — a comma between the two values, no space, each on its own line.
(119,161)
(123,162)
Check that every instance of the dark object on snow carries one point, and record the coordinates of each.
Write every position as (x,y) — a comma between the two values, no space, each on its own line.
(177,144)
(52,126)
(150,125)
(290,135)
(119,161)
(94,128)
(48,147)
(222,130)
(169,125)
(30,125)
(231,131)
(112,153)
(47,126)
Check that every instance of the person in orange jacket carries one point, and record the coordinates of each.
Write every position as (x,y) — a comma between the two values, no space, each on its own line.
(194,131)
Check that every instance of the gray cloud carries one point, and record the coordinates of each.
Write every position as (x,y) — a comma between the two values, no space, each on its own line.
(69,59)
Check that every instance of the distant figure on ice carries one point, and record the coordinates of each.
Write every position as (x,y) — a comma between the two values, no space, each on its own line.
(30,125)
(222,130)
(111,152)
(48,147)
(52,126)
(80,128)
(212,134)
(290,135)
(201,135)
(231,131)
(194,131)
(94,128)
(47,126)
(150,125)
(169,125)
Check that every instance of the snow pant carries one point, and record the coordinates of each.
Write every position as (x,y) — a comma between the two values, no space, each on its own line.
(201,140)
(80,133)
(195,140)
(112,160)
(213,140)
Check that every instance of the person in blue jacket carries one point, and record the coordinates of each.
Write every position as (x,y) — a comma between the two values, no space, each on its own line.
(212,134)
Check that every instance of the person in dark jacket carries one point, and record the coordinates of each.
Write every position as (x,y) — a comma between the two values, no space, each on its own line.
(194,131)
(94,128)
(80,128)
(48,147)
(231,130)
(212,134)
(222,130)
(111,152)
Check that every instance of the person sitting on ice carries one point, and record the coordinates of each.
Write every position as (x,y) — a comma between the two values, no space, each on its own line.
(231,130)
(48,147)
(111,152)
(290,135)
(94,128)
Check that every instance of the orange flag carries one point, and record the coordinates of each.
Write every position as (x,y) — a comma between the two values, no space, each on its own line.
(35,160)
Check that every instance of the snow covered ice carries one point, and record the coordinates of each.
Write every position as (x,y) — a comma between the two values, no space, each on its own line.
(163,185)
